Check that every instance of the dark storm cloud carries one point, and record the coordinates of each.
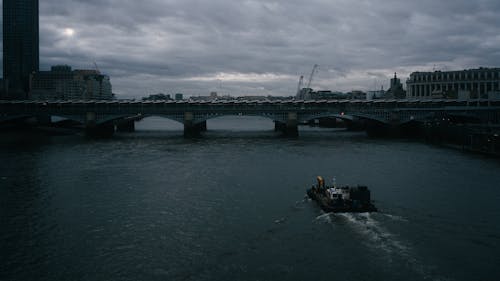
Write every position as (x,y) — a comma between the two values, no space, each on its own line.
(262,47)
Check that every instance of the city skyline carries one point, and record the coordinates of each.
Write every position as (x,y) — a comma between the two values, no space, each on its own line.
(261,48)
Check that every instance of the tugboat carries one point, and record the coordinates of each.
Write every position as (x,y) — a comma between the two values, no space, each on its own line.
(344,199)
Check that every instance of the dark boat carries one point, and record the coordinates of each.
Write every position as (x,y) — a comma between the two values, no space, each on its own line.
(343,199)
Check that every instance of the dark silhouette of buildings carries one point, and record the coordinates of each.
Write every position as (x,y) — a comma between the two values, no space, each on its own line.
(20,46)
(396,90)
(63,83)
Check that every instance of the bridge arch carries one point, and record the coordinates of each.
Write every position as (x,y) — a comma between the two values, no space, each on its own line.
(75,118)
(243,122)
(343,116)
(14,118)
(176,119)
(462,118)
(371,117)
(276,117)
(101,120)
(310,117)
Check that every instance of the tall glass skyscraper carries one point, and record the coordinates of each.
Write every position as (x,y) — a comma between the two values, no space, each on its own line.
(20,45)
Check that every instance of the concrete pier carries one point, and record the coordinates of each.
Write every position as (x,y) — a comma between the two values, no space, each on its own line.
(203,126)
(92,129)
(192,129)
(290,128)
(292,125)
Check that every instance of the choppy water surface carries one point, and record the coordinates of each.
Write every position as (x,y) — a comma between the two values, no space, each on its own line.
(151,205)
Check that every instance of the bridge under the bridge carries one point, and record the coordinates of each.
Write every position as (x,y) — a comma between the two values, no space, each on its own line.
(102,117)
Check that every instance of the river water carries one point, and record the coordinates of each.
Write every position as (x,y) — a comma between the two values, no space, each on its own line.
(151,205)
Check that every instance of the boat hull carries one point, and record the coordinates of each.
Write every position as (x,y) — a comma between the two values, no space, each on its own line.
(343,206)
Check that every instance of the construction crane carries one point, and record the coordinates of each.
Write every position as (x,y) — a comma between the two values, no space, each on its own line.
(315,68)
(96,68)
(299,87)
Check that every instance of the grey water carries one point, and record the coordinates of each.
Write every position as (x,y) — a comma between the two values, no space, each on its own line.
(151,205)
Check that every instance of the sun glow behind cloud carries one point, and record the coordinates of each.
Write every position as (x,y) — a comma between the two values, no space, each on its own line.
(68,32)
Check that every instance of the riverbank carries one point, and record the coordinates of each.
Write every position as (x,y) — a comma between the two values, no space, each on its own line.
(475,138)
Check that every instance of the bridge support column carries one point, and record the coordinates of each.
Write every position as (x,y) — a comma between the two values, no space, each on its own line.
(92,129)
(279,127)
(192,129)
(203,126)
(292,125)
(290,128)
(127,126)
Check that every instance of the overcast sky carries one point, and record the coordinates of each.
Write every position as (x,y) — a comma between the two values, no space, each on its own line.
(262,47)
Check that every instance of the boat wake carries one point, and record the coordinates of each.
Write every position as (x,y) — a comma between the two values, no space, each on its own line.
(394,217)
(379,238)
(326,218)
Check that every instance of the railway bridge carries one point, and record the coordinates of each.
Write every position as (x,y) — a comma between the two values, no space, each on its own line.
(101,117)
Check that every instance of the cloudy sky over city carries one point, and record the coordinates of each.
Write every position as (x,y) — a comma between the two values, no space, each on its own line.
(262,47)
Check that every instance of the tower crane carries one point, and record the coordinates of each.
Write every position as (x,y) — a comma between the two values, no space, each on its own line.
(96,68)
(315,68)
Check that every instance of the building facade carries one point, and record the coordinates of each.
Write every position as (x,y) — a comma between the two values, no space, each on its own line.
(63,83)
(20,46)
(96,86)
(179,96)
(481,83)
(48,85)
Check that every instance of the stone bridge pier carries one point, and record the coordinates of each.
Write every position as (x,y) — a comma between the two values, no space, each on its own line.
(191,127)
(95,129)
(290,128)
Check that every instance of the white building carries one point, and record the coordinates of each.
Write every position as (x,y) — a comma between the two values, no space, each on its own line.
(481,83)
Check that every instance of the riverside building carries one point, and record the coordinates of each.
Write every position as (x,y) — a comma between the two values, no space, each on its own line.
(481,83)
(63,83)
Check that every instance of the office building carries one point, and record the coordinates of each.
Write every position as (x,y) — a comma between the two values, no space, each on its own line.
(20,46)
